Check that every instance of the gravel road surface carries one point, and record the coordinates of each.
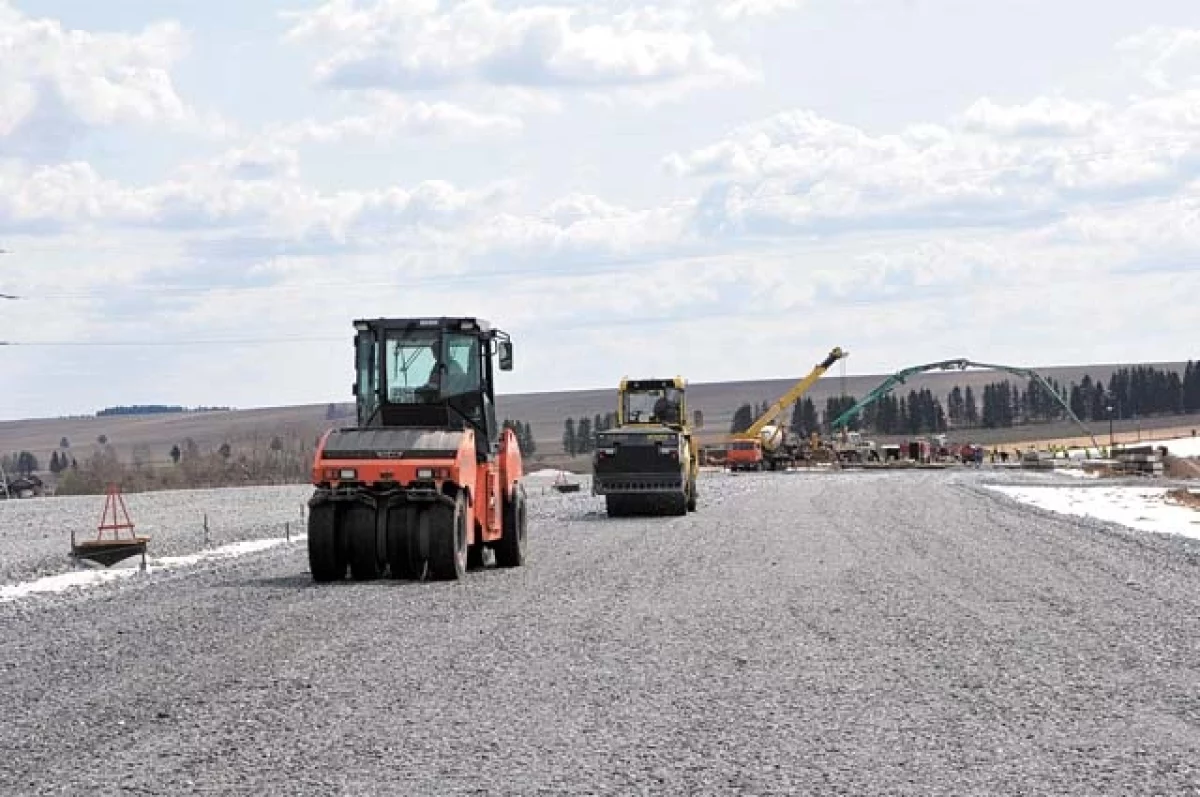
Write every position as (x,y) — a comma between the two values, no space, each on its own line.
(856,633)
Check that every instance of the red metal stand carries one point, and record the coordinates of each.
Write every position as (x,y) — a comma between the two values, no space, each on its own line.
(112,502)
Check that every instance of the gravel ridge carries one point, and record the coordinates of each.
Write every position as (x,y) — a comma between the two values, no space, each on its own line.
(815,633)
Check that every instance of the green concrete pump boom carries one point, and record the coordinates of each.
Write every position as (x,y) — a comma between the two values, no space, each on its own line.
(899,378)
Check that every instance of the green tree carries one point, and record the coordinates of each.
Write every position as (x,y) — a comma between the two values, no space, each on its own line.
(584,440)
(804,417)
(970,408)
(569,442)
(27,464)
(836,405)
(742,419)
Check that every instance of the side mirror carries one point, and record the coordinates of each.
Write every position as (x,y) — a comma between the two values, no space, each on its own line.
(506,355)
(698,419)
(354,389)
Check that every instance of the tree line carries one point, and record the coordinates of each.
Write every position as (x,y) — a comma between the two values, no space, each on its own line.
(154,409)
(524,433)
(579,434)
(1140,391)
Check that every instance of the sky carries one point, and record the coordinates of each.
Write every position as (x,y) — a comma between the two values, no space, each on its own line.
(197,200)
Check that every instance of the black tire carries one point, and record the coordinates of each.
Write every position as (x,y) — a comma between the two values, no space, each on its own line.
(326,558)
(358,520)
(615,506)
(475,557)
(447,532)
(691,500)
(510,550)
(403,545)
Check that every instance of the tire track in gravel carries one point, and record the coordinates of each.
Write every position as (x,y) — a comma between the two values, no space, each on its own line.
(801,633)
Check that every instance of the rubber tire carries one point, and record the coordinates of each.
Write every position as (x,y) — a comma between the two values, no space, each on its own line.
(403,546)
(475,557)
(616,506)
(691,501)
(358,520)
(447,532)
(510,550)
(326,557)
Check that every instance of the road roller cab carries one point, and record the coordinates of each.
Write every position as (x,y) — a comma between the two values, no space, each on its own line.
(427,479)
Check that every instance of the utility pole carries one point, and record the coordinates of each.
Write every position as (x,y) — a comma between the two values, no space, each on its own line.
(6,295)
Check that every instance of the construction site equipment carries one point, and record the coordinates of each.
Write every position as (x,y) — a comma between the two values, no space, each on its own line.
(107,552)
(647,463)
(960,364)
(767,443)
(853,447)
(427,479)
(713,454)
(563,485)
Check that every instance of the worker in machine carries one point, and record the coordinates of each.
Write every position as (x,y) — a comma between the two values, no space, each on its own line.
(456,380)
(666,409)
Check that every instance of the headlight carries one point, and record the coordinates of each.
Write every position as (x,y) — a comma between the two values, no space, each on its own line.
(347,474)
(425,473)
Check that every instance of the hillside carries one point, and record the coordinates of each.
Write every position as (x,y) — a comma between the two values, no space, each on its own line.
(149,438)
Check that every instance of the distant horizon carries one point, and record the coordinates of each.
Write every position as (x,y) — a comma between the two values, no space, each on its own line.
(831,374)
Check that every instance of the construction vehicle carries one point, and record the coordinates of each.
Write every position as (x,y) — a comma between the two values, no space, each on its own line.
(852,447)
(427,479)
(767,444)
(648,463)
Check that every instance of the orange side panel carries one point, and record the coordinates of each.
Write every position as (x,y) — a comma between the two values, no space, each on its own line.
(743,455)
(512,466)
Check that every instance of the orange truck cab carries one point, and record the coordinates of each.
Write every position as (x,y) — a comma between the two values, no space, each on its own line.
(744,455)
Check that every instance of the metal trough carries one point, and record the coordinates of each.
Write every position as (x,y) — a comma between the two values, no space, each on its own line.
(108,552)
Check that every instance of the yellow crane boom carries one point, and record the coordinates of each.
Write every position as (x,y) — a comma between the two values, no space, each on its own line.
(790,397)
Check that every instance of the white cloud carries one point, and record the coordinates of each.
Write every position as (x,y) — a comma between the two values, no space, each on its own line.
(1043,116)
(740,9)
(392,117)
(797,172)
(1165,57)
(406,45)
(253,190)
(56,83)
